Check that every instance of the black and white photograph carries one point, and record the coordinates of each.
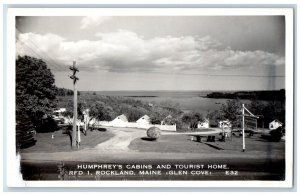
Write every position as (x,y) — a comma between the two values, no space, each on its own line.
(182,96)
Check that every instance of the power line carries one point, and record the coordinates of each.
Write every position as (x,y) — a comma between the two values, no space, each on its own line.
(38,55)
(43,55)
(223,75)
(54,63)
(196,74)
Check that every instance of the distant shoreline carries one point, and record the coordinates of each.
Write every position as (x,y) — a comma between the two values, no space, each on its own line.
(278,95)
(141,96)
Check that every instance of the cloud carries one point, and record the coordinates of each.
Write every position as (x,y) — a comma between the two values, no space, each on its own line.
(92,21)
(126,51)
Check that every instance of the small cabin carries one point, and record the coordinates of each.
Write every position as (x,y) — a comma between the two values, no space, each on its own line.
(204,124)
(144,120)
(275,124)
(120,121)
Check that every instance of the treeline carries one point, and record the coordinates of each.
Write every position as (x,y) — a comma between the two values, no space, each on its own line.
(168,112)
(109,107)
(276,95)
(65,92)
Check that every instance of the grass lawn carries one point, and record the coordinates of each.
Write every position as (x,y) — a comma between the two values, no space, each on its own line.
(61,142)
(183,144)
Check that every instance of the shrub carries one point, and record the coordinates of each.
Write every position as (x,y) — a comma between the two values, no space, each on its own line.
(277,134)
(153,133)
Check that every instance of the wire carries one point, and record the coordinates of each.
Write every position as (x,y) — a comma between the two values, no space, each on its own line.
(49,59)
(38,55)
(196,74)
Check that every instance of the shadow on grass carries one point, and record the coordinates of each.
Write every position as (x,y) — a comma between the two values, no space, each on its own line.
(213,146)
(97,129)
(101,129)
(148,139)
(210,145)
(267,139)
(69,133)
(28,145)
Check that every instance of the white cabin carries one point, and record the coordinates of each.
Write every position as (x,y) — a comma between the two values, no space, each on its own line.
(275,124)
(144,120)
(204,124)
(119,121)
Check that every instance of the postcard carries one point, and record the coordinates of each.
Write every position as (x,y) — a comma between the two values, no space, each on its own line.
(150,97)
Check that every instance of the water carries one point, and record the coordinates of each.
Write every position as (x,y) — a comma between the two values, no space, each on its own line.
(188,100)
(168,94)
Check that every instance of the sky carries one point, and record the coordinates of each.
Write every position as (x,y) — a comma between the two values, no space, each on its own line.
(159,52)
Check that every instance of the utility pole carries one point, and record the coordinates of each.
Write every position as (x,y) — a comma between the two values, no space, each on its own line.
(249,115)
(243,128)
(74,78)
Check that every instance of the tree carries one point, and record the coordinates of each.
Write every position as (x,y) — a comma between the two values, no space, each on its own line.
(172,107)
(231,110)
(192,119)
(24,132)
(274,110)
(132,112)
(35,89)
(267,111)
(100,111)
(169,120)
(158,114)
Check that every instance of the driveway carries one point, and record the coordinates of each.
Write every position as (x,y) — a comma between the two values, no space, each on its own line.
(121,140)
(124,136)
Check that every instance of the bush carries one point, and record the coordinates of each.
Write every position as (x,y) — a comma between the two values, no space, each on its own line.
(24,132)
(277,134)
(47,125)
(153,133)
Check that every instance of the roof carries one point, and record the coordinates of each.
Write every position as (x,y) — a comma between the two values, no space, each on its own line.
(205,121)
(276,121)
(145,117)
(122,117)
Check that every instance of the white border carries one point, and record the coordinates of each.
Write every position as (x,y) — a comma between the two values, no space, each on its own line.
(13,179)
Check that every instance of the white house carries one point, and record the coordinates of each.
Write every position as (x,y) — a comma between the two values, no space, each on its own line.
(120,121)
(225,124)
(204,124)
(275,124)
